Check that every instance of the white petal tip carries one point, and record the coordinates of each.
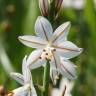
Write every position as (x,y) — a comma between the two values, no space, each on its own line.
(40,17)
(68,23)
(81,50)
(25,57)
(12,74)
(19,38)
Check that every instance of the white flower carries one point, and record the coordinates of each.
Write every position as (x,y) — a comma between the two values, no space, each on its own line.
(26,80)
(64,82)
(51,46)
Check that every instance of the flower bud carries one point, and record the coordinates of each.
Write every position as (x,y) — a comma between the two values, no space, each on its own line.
(44,7)
(58,4)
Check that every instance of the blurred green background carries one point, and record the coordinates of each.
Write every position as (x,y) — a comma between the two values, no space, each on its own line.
(17,17)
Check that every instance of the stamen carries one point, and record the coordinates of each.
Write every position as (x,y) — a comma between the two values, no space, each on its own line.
(46,53)
(40,57)
(10,94)
(56,77)
(44,50)
(54,49)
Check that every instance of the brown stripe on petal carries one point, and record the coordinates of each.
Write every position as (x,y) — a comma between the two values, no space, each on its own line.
(65,48)
(63,93)
(60,34)
(32,42)
(55,61)
(67,71)
(44,31)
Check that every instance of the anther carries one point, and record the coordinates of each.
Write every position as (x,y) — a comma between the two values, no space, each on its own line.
(46,58)
(54,49)
(44,50)
(40,57)
(56,77)
(10,94)
(46,53)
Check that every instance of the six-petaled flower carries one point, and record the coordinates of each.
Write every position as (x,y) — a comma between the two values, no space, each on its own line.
(52,46)
(25,80)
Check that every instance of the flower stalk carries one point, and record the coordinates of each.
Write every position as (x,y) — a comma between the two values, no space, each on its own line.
(52,11)
(46,78)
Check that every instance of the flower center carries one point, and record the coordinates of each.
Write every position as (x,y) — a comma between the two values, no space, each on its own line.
(47,53)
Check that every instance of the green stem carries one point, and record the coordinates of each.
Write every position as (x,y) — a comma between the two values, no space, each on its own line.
(47,66)
(52,12)
(46,78)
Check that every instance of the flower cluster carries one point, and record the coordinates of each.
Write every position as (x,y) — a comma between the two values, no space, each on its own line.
(51,46)
(44,6)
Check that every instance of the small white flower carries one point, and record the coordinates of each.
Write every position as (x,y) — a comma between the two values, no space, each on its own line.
(58,91)
(51,46)
(26,80)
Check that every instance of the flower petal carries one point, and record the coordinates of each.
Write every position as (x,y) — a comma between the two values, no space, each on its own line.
(55,61)
(67,69)
(54,75)
(21,91)
(43,28)
(28,77)
(18,77)
(67,49)
(34,60)
(32,41)
(54,66)
(61,33)
(26,72)
(33,92)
